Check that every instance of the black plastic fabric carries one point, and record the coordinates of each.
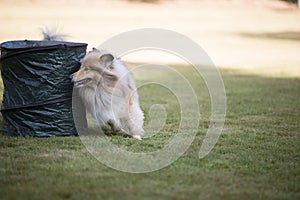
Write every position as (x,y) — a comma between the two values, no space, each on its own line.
(37,97)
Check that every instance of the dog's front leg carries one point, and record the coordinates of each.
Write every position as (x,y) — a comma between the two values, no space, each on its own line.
(114,126)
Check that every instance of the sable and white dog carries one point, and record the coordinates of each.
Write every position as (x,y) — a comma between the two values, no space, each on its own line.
(109,92)
(107,89)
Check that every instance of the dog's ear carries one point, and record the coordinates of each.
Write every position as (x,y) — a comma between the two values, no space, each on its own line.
(106,59)
(95,49)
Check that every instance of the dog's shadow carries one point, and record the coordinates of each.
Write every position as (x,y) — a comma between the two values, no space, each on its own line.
(93,129)
(103,131)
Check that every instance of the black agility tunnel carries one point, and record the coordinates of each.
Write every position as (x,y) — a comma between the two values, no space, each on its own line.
(37,97)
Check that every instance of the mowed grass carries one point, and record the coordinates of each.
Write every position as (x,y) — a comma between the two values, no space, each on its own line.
(256,157)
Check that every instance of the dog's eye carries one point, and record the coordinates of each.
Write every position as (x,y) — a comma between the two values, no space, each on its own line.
(86,69)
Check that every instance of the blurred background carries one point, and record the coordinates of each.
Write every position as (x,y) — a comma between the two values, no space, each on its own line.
(248,34)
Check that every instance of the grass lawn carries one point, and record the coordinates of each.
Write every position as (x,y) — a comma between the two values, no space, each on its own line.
(256,157)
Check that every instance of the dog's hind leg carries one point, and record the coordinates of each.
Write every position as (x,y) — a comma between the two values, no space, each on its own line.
(135,122)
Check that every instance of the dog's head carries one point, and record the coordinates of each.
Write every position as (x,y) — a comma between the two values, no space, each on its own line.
(96,67)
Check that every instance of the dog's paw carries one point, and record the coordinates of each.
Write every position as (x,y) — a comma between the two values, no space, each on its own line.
(138,137)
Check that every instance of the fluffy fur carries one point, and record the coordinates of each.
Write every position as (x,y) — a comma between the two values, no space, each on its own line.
(109,92)
(52,35)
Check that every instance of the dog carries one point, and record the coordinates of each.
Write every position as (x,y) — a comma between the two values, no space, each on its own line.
(107,89)
(109,92)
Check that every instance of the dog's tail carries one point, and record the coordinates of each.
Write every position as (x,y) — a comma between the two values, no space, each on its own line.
(52,35)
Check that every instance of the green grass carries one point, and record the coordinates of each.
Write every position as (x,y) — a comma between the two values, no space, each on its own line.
(256,157)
